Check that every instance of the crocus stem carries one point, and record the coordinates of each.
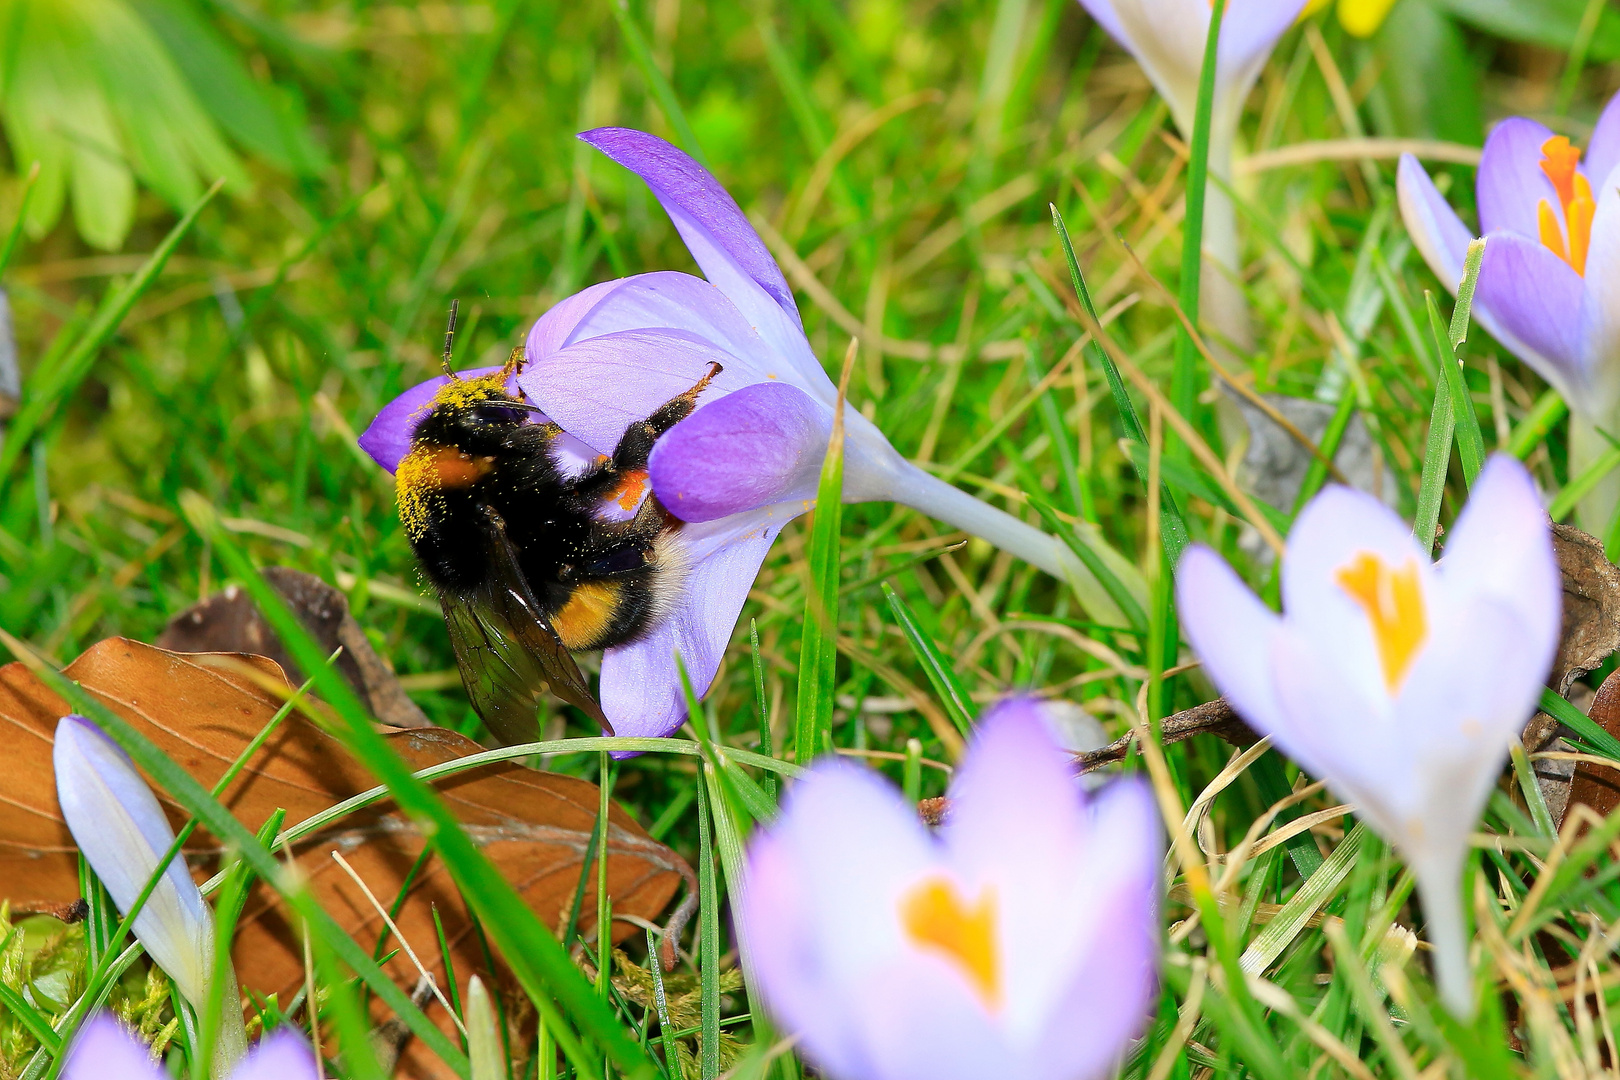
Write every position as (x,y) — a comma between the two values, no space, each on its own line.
(1440,886)
(1223,304)
(1586,445)
(934,497)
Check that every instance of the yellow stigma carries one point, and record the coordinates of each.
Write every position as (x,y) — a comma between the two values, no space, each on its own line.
(1558,162)
(935,918)
(1393,601)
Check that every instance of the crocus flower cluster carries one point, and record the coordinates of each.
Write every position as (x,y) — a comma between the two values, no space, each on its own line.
(1017,942)
(1168,37)
(1549,288)
(748,459)
(105,1050)
(121,830)
(1399,682)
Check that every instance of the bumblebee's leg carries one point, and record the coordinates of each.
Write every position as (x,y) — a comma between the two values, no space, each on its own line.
(635,447)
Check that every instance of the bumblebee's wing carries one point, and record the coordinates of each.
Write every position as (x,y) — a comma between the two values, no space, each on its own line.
(506,651)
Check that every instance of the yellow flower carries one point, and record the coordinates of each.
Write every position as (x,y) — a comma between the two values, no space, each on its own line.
(1361,18)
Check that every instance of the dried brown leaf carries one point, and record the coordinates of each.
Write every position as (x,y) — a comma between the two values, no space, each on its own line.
(534,826)
(229,622)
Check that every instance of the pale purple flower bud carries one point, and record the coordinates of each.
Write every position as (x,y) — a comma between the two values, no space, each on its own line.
(1399,682)
(122,832)
(1018,941)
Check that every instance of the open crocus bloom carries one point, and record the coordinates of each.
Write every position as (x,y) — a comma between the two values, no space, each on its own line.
(105,1050)
(121,830)
(1399,682)
(1017,942)
(748,460)
(1549,288)
(1167,37)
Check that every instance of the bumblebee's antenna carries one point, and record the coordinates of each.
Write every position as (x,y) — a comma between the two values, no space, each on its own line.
(450,337)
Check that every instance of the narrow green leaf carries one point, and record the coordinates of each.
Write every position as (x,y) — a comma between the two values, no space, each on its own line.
(708,944)
(1117,592)
(818,649)
(1581,724)
(1564,503)
(1307,900)
(941,675)
(1533,429)
(1173,532)
(1436,463)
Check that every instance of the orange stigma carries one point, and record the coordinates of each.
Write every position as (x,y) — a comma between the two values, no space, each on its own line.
(1393,601)
(1558,162)
(935,918)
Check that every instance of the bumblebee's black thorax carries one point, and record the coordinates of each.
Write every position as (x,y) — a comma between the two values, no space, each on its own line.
(596,580)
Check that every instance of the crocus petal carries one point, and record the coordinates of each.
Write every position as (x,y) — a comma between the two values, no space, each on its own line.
(1338,527)
(641,686)
(1167,37)
(844,843)
(1511,182)
(282,1055)
(553,329)
(1532,300)
(598,387)
(1251,28)
(1228,628)
(709,220)
(1103,11)
(670,301)
(388,438)
(1600,305)
(1434,226)
(762,444)
(1603,150)
(105,1050)
(1500,547)
(725,245)
(1114,975)
(119,826)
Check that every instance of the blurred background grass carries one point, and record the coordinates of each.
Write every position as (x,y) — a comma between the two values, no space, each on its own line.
(381,159)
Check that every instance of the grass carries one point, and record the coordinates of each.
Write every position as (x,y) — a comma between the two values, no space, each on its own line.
(904,159)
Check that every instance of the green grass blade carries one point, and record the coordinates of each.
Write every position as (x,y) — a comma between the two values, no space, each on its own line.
(1532,430)
(1184,378)
(708,943)
(1448,342)
(49,387)
(818,649)
(1581,724)
(1436,463)
(941,675)
(759,701)
(15,235)
(1173,532)
(1117,592)
(666,1027)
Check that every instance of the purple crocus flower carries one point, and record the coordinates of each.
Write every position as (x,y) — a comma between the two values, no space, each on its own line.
(1549,287)
(106,1050)
(122,832)
(747,461)
(1018,941)
(1167,37)
(1399,682)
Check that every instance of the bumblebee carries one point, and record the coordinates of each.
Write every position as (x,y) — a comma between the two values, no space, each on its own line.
(531,559)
